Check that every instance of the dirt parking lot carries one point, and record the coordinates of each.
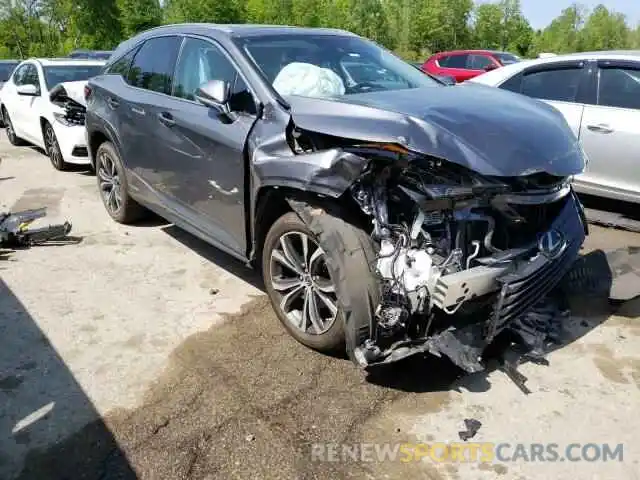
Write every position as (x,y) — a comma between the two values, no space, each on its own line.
(140,352)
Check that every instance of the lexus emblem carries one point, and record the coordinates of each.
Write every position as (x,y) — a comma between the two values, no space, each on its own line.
(551,244)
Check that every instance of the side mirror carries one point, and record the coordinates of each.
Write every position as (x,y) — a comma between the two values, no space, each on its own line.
(28,90)
(215,94)
(490,67)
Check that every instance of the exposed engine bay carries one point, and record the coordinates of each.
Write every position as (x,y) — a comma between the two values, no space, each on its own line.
(461,257)
(70,97)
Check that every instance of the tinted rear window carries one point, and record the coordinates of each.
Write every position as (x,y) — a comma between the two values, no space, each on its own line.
(456,61)
(153,65)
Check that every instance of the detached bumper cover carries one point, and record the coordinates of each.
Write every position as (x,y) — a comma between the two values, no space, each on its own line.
(528,284)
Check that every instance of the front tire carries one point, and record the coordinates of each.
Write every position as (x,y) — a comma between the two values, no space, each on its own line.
(113,187)
(323,295)
(53,148)
(11,133)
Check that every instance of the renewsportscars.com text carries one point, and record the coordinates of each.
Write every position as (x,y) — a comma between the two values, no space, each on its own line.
(467,452)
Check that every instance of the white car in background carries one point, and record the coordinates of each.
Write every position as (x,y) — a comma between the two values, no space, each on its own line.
(43,104)
(598,94)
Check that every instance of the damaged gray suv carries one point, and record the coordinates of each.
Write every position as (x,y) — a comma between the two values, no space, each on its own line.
(389,213)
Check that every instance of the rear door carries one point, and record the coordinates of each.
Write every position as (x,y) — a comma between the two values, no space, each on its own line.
(149,85)
(610,132)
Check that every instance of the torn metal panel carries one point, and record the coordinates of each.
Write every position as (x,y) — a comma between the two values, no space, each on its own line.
(330,172)
(488,130)
(63,92)
(69,96)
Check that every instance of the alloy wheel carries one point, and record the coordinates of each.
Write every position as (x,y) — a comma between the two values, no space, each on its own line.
(300,277)
(53,149)
(109,181)
(10,133)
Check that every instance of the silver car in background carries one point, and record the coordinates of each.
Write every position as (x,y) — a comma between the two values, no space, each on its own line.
(599,95)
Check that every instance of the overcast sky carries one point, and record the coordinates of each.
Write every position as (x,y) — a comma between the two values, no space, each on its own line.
(541,12)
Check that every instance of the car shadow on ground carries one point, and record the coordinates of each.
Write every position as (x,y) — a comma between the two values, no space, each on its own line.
(42,404)
(217,256)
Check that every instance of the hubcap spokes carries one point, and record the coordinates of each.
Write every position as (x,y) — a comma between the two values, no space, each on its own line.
(300,276)
(109,182)
(9,128)
(52,146)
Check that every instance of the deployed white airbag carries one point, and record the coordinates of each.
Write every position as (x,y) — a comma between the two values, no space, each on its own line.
(308,80)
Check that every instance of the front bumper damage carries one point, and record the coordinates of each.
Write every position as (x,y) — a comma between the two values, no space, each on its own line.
(522,282)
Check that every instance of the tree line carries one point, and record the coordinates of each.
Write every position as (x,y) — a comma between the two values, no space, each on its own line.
(412,28)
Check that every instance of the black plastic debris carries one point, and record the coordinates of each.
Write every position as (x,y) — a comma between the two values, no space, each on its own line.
(15,231)
(472,426)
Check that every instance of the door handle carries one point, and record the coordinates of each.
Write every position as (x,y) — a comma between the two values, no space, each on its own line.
(167,119)
(600,128)
(112,103)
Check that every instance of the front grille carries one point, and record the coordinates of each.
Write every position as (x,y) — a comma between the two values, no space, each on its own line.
(523,288)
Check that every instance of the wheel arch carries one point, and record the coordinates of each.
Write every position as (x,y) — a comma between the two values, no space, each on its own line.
(272,202)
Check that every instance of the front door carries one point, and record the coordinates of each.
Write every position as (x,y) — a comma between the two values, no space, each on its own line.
(202,151)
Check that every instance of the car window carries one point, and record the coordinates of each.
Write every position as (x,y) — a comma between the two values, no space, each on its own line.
(444,61)
(200,62)
(55,74)
(478,62)
(457,61)
(6,69)
(122,65)
(314,65)
(31,77)
(18,76)
(153,64)
(561,84)
(619,87)
(507,58)
(513,84)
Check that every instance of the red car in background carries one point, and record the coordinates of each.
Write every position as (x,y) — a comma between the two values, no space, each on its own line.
(465,64)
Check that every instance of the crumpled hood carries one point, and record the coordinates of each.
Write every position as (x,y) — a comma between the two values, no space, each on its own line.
(489,130)
(69,90)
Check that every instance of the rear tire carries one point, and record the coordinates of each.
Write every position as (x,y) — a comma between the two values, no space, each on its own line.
(11,134)
(348,252)
(113,187)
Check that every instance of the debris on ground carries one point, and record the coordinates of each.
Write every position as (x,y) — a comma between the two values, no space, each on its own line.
(15,231)
(472,426)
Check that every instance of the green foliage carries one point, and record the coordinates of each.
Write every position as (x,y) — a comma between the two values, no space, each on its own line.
(139,15)
(412,28)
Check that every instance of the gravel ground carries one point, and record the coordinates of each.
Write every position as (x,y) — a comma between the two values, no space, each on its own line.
(141,352)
